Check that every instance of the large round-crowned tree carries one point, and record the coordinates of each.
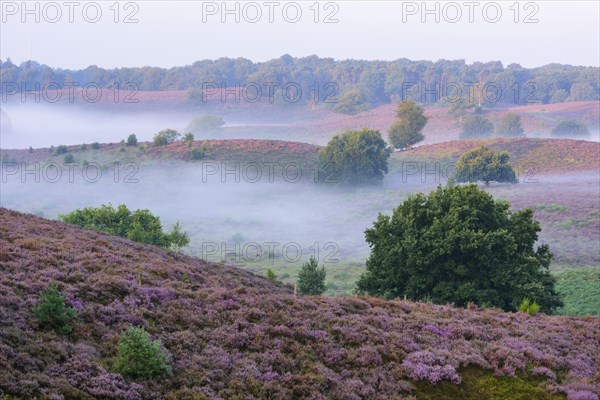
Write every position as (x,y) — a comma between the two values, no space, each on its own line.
(458,245)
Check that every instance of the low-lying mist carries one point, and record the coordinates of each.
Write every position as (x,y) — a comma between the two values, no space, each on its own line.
(288,221)
(220,210)
(41,125)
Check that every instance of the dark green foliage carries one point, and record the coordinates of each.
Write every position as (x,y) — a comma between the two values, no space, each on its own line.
(458,245)
(30,149)
(351,102)
(461,107)
(189,139)
(139,225)
(205,124)
(570,127)
(354,157)
(95,145)
(485,165)
(165,137)
(271,276)
(197,154)
(476,126)
(69,158)
(580,290)
(311,279)
(406,131)
(510,126)
(52,312)
(140,358)
(178,238)
(377,80)
(61,149)
(132,140)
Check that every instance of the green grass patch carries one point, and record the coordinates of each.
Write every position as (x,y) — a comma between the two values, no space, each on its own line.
(478,384)
(580,290)
(549,207)
(573,223)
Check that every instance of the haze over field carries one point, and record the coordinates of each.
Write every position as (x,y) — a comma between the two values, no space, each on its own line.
(330,200)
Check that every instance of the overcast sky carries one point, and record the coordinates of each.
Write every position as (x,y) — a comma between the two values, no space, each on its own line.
(177,33)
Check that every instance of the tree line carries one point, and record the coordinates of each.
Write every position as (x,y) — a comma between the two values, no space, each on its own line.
(355,85)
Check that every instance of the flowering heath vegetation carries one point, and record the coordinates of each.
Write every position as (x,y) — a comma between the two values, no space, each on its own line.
(217,332)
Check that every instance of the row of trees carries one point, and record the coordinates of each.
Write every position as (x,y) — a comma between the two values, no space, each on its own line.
(357,84)
(359,157)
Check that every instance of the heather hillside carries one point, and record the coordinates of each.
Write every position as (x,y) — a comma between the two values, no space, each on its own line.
(234,335)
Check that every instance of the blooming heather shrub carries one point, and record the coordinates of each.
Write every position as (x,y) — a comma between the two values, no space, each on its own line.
(139,357)
(233,334)
(52,312)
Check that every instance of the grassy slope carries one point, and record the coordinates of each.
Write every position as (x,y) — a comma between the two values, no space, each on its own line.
(581,292)
(234,335)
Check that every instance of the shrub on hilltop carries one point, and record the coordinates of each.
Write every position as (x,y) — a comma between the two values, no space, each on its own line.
(165,137)
(354,157)
(486,165)
(570,127)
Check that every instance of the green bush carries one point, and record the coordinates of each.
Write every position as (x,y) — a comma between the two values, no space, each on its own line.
(83,147)
(510,126)
(139,357)
(476,126)
(484,164)
(69,158)
(197,154)
(528,307)
(354,157)
(61,149)
(570,127)
(165,137)
(178,238)
(271,276)
(132,140)
(205,124)
(352,102)
(30,149)
(95,145)
(189,139)
(311,279)
(406,131)
(52,312)
(139,225)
